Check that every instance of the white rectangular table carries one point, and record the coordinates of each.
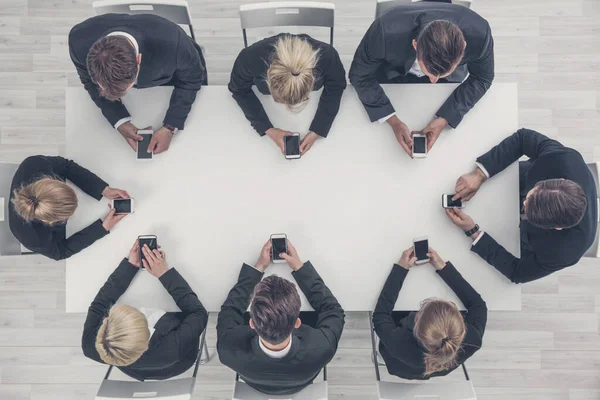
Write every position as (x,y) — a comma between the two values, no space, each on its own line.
(351,205)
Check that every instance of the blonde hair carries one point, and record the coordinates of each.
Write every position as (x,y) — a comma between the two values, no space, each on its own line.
(440,327)
(47,200)
(290,76)
(123,336)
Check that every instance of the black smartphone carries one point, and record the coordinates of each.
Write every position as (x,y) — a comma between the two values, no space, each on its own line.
(278,246)
(152,243)
(123,206)
(421,247)
(447,201)
(292,146)
(419,146)
(142,146)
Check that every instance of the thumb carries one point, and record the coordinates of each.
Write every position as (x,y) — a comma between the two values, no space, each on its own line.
(413,260)
(285,256)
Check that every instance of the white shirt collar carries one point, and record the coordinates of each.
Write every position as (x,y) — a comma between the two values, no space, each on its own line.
(152,316)
(416,69)
(128,36)
(276,354)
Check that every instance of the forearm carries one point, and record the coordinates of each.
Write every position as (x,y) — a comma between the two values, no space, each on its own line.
(253,111)
(180,106)
(389,295)
(77,242)
(181,292)
(329,105)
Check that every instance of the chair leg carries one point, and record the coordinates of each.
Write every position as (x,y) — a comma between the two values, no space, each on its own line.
(204,357)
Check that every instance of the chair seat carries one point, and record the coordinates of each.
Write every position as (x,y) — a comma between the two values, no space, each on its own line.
(426,391)
(176,389)
(316,391)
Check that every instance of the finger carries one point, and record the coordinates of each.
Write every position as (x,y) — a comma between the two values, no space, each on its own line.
(412,260)
(132,143)
(285,256)
(430,142)
(119,217)
(157,254)
(135,245)
(148,253)
(163,255)
(459,212)
(460,185)
(111,213)
(461,194)
(123,194)
(406,148)
(291,248)
(146,265)
(153,144)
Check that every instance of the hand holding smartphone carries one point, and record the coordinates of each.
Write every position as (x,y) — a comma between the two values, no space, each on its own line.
(142,146)
(421,247)
(278,246)
(123,206)
(292,146)
(419,149)
(149,240)
(447,201)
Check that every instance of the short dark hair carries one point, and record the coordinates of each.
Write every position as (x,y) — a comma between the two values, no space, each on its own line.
(112,63)
(275,308)
(556,203)
(440,46)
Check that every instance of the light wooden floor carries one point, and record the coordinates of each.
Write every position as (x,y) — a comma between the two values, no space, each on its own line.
(549,351)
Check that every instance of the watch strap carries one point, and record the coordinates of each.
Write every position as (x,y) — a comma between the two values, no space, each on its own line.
(472,231)
(171,128)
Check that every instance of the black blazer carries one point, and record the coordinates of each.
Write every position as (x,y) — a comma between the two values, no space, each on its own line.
(312,348)
(388,44)
(169,57)
(173,347)
(543,251)
(402,352)
(51,241)
(251,67)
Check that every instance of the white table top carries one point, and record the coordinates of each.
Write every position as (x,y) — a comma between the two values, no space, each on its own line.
(351,205)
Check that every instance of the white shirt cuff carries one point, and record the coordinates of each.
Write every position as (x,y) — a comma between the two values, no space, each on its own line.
(122,121)
(481,167)
(382,120)
(478,237)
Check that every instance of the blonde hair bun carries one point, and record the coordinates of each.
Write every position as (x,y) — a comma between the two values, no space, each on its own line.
(47,200)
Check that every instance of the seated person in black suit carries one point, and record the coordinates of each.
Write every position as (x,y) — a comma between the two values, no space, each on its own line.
(424,42)
(275,353)
(436,339)
(150,343)
(289,67)
(41,203)
(557,195)
(115,52)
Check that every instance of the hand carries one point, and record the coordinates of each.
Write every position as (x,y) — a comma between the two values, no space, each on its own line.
(155,261)
(277,135)
(307,142)
(134,254)
(112,193)
(160,142)
(468,184)
(460,219)
(265,257)
(130,133)
(433,131)
(408,259)
(111,219)
(402,134)
(292,257)
(436,260)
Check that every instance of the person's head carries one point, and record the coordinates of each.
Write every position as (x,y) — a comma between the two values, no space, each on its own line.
(275,309)
(123,336)
(46,200)
(555,204)
(113,65)
(440,48)
(440,328)
(290,76)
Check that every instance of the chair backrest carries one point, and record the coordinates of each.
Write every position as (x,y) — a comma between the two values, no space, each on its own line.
(293,13)
(9,245)
(384,5)
(176,389)
(315,391)
(426,391)
(594,250)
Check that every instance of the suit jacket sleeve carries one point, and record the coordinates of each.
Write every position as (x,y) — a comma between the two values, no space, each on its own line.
(113,111)
(476,307)
(60,248)
(334,77)
(108,295)
(481,75)
(237,302)
(522,142)
(330,315)
(369,56)
(87,181)
(196,317)
(187,80)
(240,86)
(518,270)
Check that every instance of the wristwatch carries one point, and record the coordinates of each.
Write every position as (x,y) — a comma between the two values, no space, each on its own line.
(171,128)
(472,231)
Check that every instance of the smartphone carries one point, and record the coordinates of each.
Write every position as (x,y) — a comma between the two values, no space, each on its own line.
(419,149)
(278,246)
(292,146)
(123,206)
(142,146)
(151,241)
(448,203)
(421,247)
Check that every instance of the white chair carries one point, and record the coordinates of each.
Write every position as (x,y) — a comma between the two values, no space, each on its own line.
(293,13)
(463,390)
(594,250)
(384,5)
(314,391)
(174,389)
(9,245)
(176,11)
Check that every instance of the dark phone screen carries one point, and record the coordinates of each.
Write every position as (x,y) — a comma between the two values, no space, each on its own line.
(151,242)
(122,206)
(292,145)
(279,246)
(419,145)
(450,203)
(421,249)
(142,147)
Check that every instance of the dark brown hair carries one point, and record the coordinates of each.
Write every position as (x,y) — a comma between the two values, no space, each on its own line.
(275,308)
(112,64)
(556,203)
(440,46)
